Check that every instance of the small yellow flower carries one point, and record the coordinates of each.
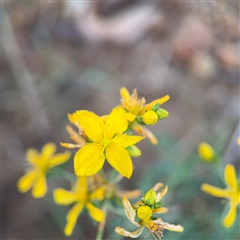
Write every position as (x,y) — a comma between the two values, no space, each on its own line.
(232,193)
(40,163)
(206,152)
(106,138)
(136,107)
(81,198)
(144,214)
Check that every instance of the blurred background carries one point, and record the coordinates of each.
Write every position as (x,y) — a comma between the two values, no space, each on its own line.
(62,56)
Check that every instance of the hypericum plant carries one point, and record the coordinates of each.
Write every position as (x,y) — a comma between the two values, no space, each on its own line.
(100,138)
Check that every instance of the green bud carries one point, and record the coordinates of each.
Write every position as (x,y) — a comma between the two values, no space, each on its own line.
(157,205)
(134,151)
(162,113)
(150,197)
(155,107)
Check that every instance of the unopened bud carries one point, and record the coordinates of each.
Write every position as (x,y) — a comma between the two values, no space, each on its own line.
(150,117)
(150,197)
(134,151)
(162,113)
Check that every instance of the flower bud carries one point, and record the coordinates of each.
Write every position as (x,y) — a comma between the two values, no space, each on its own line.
(144,213)
(134,151)
(206,152)
(150,197)
(150,117)
(162,113)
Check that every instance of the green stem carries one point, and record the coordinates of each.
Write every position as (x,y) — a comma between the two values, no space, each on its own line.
(102,224)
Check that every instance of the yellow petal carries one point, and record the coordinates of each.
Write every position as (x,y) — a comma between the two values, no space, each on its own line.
(130,117)
(125,140)
(145,132)
(96,213)
(72,217)
(124,93)
(97,194)
(40,186)
(126,233)
(162,194)
(91,123)
(230,176)
(231,216)
(214,191)
(238,140)
(89,159)
(129,211)
(206,152)
(160,210)
(48,150)
(153,103)
(27,180)
(70,145)
(32,156)
(119,159)
(116,123)
(63,197)
(59,159)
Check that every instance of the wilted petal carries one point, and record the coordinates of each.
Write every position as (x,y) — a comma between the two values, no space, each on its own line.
(40,186)
(119,159)
(96,213)
(129,211)
(157,186)
(63,197)
(129,194)
(72,218)
(89,159)
(59,159)
(230,176)
(172,227)
(147,133)
(116,122)
(70,145)
(75,136)
(27,180)
(160,210)
(162,194)
(91,123)
(214,191)
(231,216)
(126,233)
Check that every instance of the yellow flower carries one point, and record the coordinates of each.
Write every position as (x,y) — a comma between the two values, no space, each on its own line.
(40,163)
(144,214)
(81,198)
(206,152)
(106,138)
(232,193)
(136,108)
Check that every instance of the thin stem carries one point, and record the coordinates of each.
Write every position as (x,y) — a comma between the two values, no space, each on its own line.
(102,224)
